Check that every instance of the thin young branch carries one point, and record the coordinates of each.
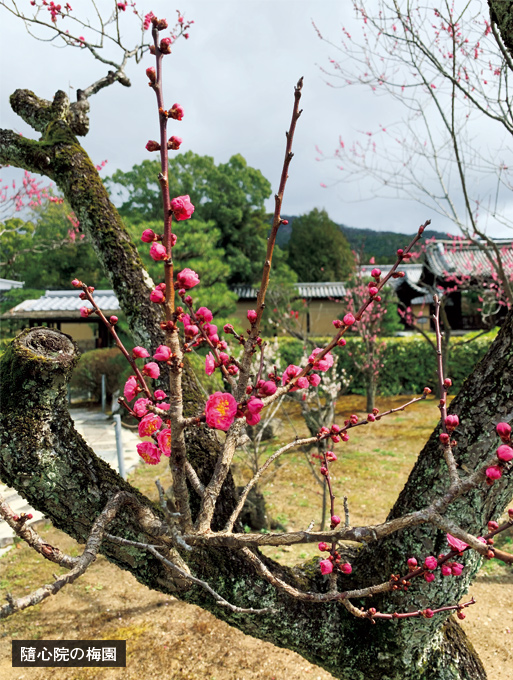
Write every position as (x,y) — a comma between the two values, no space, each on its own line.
(83,562)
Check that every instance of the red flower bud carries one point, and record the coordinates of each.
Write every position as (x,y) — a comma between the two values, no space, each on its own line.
(152,145)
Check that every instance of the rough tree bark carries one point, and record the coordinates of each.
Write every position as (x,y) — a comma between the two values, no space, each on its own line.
(44,458)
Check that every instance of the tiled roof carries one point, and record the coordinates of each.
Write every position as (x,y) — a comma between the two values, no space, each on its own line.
(7,284)
(324,290)
(462,258)
(63,302)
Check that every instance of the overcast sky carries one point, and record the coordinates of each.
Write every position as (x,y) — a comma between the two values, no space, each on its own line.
(235,78)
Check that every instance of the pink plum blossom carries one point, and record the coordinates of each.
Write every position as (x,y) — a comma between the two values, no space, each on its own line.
(326,567)
(252,316)
(220,410)
(503,430)
(456,544)
(141,407)
(158,252)
(314,379)
(148,236)
(255,405)
(210,363)
(452,422)
(268,388)
(140,353)
(176,112)
(149,424)
(131,388)
(164,441)
(430,562)
(187,278)
(149,453)
(162,353)
(204,315)
(323,364)
(157,295)
(323,546)
(151,369)
(85,312)
(429,577)
(253,418)
(182,207)
(505,453)
(456,568)
(493,472)
(346,568)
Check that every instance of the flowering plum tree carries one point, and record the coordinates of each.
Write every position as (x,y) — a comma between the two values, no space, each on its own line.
(449,68)
(438,531)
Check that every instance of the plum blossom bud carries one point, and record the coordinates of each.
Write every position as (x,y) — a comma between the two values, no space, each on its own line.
(494,472)
(505,453)
(502,429)
(341,342)
(335,520)
(165,45)
(174,143)
(160,24)
(113,320)
(452,422)
(492,525)
(373,291)
(176,112)
(157,295)
(337,323)
(159,395)
(428,613)
(85,312)
(141,407)
(162,353)
(446,570)
(78,284)
(204,314)
(151,369)
(252,316)
(461,615)
(158,252)
(182,207)
(430,562)
(228,328)
(349,319)
(412,563)
(323,546)
(330,456)
(268,388)
(314,379)
(210,363)
(152,74)
(152,145)
(255,405)
(187,278)
(253,418)
(140,353)
(302,383)
(371,417)
(346,568)
(148,236)
(444,438)
(326,567)
(447,383)
(131,388)
(429,577)
(376,273)
(456,568)
(426,390)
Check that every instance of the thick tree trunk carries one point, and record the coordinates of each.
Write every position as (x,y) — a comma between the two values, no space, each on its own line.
(49,464)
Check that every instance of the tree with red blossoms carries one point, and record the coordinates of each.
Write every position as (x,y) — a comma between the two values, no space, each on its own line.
(373,611)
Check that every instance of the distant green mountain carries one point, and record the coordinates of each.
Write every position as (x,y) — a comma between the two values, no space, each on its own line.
(381,245)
